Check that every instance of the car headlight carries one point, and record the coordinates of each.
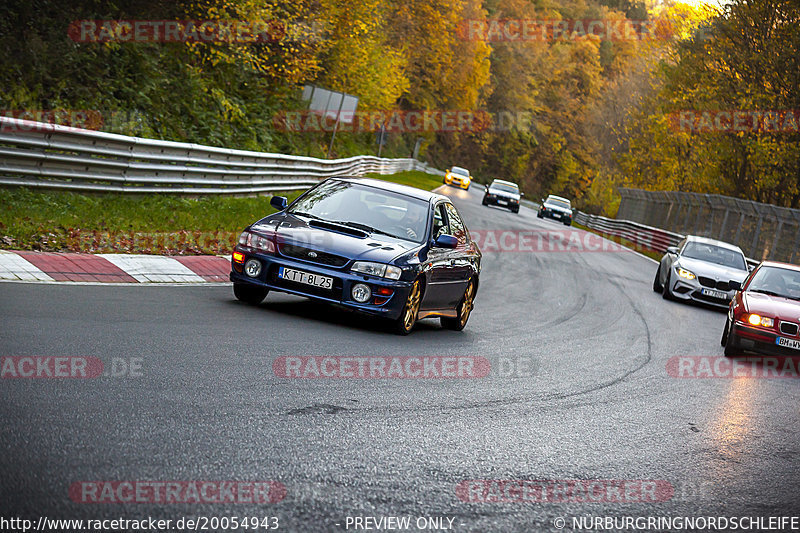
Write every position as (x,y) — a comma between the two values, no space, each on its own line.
(257,242)
(758,320)
(682,272)
(377,269)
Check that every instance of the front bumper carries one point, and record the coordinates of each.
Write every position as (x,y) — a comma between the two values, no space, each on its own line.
(455,181)
(761,341)
(501,201)
(556,215)
(692,290)
(343,280)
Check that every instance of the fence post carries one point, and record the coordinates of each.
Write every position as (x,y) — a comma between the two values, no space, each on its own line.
(756,235)
(724,223)
(775,240)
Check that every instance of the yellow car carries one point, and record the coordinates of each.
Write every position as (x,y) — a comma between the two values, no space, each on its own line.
(458,177)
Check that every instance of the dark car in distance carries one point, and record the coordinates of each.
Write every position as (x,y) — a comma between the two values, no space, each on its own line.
(387,250)
(764,315)
(556,208)
(503,194)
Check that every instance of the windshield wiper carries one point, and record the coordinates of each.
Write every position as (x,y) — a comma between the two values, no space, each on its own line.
(768,293)
(363,227)
(308,215)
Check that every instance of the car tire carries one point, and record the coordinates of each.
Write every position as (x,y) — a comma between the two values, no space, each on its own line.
(724,338)
(569,223)
(515,209)
(732,348)
(666,293)
(408,317)
(484,202)
(464,310)
(657,287)
(249,294)
(539,215)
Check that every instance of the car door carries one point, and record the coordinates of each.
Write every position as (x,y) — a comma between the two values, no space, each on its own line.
(460,268)
(439,274)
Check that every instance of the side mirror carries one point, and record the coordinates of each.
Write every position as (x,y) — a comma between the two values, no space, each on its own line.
(447,170)
(279,202)
(521,194)
(672,250)
(735,285)
(486,188)
(542,200)
(445,241)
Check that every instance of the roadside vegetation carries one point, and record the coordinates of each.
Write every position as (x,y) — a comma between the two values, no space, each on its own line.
(59,221)
(585,115)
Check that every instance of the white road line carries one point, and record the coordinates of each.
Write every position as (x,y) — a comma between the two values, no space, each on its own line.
(153,268)
(14,267)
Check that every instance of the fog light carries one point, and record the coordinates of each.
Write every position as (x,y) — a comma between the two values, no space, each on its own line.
(238,257)
(252,268)
(361,293)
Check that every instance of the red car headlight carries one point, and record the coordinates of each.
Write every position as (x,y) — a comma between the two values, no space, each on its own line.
(758,320)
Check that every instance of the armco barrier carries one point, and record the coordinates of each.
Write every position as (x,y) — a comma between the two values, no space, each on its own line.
(36,154)
(647,237)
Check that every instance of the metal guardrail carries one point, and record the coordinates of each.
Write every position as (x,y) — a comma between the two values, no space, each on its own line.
(647,237)
(41,155)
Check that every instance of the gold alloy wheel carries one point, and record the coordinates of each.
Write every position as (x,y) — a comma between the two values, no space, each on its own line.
(467,304)
(412,307)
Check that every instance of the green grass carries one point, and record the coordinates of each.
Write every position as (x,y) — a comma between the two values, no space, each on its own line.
(63,221)
(414,178)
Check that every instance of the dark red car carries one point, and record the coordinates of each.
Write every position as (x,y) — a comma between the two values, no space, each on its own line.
(764,314)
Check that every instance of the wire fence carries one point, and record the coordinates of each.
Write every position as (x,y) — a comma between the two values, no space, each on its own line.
(762,231)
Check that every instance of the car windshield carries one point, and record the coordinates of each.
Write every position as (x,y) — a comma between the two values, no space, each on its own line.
(367,208)
(715,254)
(460,171)
(777,282)
(505,188)
(558,203)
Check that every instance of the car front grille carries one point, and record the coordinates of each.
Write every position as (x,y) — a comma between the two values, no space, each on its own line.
(312,256)
(788,328)
(713,284)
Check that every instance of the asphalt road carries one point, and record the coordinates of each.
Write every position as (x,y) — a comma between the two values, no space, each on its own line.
(584,394)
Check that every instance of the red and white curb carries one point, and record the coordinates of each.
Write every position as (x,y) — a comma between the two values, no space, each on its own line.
(112,268)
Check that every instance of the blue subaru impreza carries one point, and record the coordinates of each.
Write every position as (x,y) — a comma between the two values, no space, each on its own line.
(388,250)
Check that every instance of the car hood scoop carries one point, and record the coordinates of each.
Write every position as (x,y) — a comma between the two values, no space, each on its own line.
(319,236)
